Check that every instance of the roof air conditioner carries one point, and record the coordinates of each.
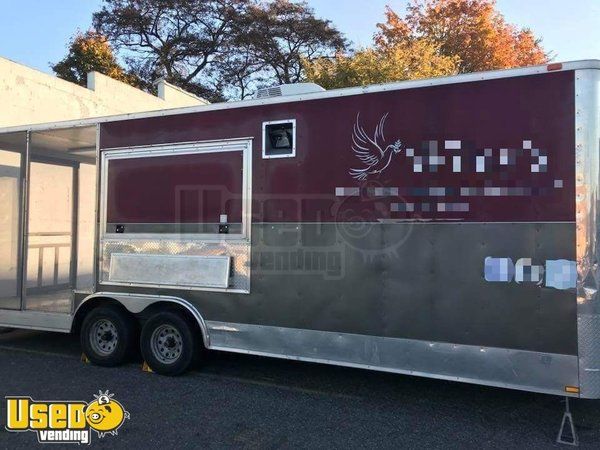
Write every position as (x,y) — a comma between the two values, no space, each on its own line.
(288,89)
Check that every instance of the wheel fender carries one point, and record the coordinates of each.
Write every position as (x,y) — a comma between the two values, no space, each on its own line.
(136,303)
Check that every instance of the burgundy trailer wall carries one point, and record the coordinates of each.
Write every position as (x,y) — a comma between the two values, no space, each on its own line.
(494,151)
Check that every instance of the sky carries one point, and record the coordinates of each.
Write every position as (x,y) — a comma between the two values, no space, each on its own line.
(37,32)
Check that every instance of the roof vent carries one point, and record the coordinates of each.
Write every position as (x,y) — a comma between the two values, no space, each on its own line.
(288,89)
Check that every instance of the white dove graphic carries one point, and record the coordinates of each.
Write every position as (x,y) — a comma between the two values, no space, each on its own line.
(369,150)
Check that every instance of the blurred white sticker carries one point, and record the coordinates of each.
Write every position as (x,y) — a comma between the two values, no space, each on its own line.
(561,274)
(499,269)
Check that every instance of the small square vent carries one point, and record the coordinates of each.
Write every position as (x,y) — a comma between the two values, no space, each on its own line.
(279,139)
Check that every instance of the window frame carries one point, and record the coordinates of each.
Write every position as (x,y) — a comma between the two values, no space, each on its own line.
(188,148)
(264,139)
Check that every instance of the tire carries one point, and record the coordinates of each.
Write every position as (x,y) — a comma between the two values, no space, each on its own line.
(108,336)
(169,343)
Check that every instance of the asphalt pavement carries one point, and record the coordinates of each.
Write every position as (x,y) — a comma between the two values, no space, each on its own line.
(240,401)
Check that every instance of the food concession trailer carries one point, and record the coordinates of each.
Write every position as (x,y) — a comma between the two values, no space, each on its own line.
(443,228)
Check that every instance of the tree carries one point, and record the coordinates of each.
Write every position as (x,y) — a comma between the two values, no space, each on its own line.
(473,30)
(272,40)
(88,52)
(174,39)
(399,55)
(217,47)
(437,37)
(410,59)
(283,33)
(241,73)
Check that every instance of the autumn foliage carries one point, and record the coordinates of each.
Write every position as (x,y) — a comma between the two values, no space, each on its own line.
(89,52)
(410,59)
(437,37)
(473,30)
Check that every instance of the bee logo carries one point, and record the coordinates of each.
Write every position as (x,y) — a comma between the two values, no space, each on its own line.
(66,422)
(105,415)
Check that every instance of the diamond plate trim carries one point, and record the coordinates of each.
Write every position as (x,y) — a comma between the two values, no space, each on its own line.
(587,180)
(589,349)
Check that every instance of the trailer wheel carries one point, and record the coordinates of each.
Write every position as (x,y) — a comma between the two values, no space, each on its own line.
(107,336)
(169,343)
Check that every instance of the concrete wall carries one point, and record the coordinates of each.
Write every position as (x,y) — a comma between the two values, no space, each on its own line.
(29,96)
(172,94)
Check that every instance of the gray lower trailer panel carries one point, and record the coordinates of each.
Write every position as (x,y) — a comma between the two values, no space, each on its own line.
(400,297)
(422,281)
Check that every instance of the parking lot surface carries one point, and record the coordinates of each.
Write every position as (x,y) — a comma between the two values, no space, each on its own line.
(239,401)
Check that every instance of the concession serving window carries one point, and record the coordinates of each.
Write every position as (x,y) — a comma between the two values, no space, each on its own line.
(193,189)
(177,216)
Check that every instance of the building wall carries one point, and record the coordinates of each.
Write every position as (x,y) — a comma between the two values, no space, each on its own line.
(29,96)
(173,94)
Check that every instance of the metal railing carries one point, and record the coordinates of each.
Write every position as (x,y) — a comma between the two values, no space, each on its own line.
(42,250)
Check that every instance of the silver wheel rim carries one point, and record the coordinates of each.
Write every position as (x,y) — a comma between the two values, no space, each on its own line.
(104,337)
(166,344)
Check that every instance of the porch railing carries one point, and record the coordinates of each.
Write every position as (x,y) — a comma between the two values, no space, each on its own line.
(43,253)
